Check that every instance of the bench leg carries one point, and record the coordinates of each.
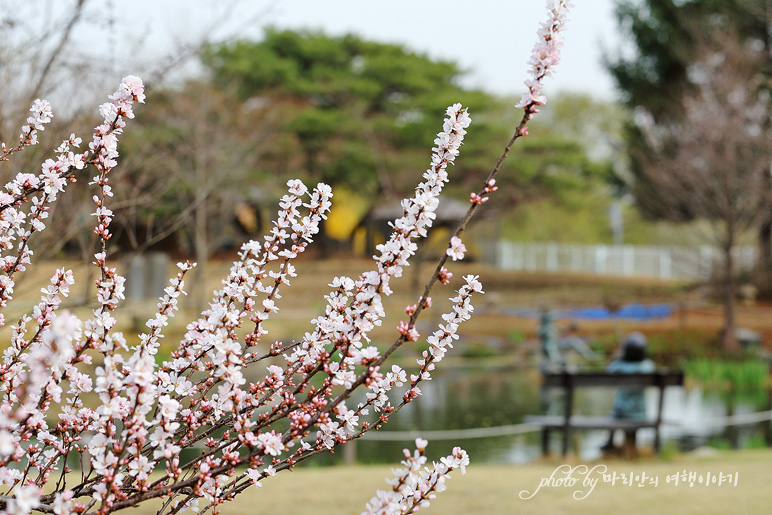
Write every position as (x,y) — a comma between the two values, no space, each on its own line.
(545,441)
(630,448)
(566,436)
(657,443)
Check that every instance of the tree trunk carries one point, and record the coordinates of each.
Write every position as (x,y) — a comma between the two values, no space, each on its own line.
(202,251)
(201,219)
(764,270)
(764,266)
(728,337)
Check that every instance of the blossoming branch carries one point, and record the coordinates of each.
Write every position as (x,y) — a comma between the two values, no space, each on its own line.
(74,390)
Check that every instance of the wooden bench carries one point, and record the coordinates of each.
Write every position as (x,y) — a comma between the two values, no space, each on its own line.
(568,422)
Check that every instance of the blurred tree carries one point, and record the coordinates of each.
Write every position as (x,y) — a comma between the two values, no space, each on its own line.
(665,35)
(558,176)
(187,164)
(689,57)
(36,54)
(575,143)
(364,113)
(359,112)
(40,47)
(337,109)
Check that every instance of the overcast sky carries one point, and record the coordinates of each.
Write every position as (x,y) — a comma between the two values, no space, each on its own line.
(491,38)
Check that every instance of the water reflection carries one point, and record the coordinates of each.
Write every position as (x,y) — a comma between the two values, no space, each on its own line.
(473,397)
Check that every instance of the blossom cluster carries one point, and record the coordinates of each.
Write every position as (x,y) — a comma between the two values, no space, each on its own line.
(545,54)
(41,115)
(415,485)
(145,414)
(40,366)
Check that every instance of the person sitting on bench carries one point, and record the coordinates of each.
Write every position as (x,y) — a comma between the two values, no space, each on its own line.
(629,403)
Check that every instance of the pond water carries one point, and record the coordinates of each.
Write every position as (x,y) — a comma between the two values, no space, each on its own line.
(486,396)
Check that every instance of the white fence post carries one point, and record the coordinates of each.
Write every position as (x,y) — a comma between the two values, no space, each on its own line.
(552,257)
(530,256)
(504,258)
(665,263)
(601,259)
(576,258)
(628,260)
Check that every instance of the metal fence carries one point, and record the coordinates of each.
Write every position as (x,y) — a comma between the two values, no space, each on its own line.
(662,262)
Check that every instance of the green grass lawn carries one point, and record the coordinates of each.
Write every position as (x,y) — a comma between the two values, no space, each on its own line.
(491,489)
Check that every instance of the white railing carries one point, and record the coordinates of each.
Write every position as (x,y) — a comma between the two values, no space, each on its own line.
(662,262)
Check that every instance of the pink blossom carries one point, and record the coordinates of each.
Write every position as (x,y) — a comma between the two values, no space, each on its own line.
(458,459)
(410,332)
(456,249)
(25,499)
(414,485)
(271,443)
(255,476)
(545,54)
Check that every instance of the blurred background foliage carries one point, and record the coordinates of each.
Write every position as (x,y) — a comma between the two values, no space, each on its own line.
(362,115)
(207,156)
